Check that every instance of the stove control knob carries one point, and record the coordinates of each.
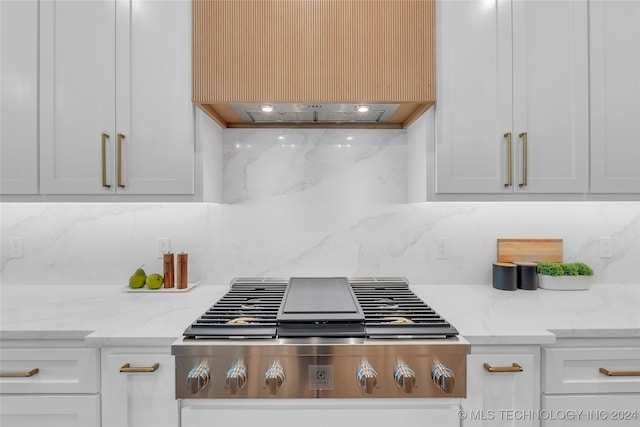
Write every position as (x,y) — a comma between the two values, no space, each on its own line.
(367,377)
(404,377)
(443,377)
(198,378)
(236,377)
(274,378)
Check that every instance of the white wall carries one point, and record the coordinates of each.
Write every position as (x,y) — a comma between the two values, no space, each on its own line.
(324,206)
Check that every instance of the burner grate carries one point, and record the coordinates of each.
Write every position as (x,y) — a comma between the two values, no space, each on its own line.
(392,310)
(248,310)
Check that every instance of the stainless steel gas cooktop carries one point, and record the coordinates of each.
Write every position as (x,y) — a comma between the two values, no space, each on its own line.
(317,337)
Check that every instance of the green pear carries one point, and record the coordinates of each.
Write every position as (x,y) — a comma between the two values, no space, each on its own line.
(138,279)
(155,281)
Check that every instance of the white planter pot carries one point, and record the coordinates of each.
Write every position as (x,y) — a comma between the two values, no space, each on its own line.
(564,283)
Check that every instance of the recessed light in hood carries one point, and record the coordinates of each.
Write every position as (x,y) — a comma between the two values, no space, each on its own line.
(315,113)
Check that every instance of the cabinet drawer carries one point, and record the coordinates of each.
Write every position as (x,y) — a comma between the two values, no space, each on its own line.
(59,370)
(578,370)
(144,395)
(590,410)
(50,411)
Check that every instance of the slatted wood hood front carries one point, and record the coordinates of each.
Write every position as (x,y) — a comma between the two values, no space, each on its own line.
(313,51)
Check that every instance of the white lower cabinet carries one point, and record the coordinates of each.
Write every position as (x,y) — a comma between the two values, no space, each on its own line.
(591,382)
(502,387)
(50,411)
(321,413)
(49,384)
(138,387)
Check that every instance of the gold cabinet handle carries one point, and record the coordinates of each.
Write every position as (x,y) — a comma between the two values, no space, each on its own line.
(104,160)
(619,373)
(127,368)
(513,368)
(20,374)
(509,182)
(120,138)
(525,160)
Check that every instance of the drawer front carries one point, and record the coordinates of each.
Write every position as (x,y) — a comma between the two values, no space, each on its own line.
(590,410)
(50,411)
(584,370)
(59,370)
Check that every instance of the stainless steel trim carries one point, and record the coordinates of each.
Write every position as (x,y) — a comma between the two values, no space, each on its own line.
(343,358)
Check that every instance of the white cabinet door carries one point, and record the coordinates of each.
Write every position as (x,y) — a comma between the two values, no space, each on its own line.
(50,411)
(474,90)
(154,113)
(19,97)
(551,96)
(507,69)
(138,399)
(614,29)
(77,95)
(494,397)
(116,112)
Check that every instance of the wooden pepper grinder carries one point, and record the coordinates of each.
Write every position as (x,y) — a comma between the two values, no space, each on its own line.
(169,270)
(183,261)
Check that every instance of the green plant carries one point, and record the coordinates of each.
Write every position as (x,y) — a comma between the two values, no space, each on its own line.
(550,269)
(564,269)
(569,269)
(584,269)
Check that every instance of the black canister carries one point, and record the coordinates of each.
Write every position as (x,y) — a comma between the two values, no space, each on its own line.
(505,276)
(527,275)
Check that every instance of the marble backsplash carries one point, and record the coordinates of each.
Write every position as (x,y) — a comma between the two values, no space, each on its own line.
(313,202)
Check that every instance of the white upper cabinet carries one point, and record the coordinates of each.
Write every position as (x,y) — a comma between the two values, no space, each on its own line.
(510,72)
(77,96)
(115,103)
(154,112)
(19,97)
(615,96)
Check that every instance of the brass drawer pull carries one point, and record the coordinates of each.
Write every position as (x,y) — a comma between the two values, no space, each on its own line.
(619,373)
(127,368)
(104,160)
(20,374)
(509,182)
(525,161)
(513,368)
(120,138)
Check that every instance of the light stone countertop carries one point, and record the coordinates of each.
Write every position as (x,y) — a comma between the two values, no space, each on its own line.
(109,316)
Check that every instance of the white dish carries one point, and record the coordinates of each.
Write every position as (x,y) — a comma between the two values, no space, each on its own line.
(564,283)
(162,290)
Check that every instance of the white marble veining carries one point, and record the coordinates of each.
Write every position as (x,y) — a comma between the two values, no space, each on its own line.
(392,240)
(104,243)
(327,205)
(101,314)
(272,166)
(106,315)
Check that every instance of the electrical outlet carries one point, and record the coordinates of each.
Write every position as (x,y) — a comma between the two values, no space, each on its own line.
(606,249)
(442,248)
(15,248)
(164,246)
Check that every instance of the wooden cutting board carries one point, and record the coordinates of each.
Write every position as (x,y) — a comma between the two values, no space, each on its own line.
(535,250)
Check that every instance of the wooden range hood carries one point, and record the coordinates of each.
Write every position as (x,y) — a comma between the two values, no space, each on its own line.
(313,56)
